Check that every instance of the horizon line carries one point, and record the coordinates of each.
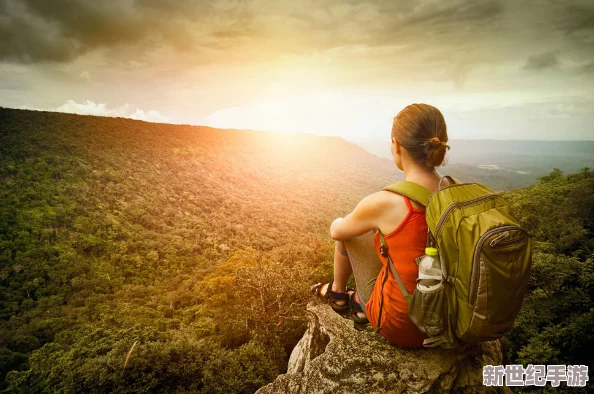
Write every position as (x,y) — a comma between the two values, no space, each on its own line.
(284,132)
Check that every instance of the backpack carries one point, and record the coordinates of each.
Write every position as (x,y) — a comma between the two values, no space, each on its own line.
(486,258)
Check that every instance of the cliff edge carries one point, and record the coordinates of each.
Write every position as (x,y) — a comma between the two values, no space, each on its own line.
(334,357)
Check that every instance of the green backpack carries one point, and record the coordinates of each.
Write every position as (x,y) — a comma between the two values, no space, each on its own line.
(485,257)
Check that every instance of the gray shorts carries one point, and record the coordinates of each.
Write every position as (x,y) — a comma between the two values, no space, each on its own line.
(364,261)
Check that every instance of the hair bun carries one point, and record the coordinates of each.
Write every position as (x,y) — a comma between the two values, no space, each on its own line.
(435,151)
(435,143)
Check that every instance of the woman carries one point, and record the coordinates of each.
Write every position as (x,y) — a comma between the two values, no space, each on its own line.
(419,139)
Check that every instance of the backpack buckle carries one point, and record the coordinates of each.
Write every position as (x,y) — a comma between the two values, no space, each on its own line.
(384,251)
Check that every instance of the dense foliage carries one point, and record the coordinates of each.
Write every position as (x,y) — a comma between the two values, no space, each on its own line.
(556,323)
(195,243)
(141,257)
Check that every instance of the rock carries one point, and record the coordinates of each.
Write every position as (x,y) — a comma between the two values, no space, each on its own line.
(334,357)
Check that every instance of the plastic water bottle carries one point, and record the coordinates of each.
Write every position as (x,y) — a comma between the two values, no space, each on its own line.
(430,274)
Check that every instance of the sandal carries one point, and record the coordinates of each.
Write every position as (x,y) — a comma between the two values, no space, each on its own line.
(355,308)
(332,296)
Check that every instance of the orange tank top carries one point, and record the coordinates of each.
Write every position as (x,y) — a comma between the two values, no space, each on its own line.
(405,243)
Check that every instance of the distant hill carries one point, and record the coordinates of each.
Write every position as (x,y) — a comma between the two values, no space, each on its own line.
(301,174)
(505,165)
(109,226)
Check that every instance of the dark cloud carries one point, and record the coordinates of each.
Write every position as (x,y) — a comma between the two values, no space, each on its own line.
(184,8)
(439,33)
(588,68)
(577,18)
(24,39)
(541,61)
(20,42)
(36,31)
(457,13)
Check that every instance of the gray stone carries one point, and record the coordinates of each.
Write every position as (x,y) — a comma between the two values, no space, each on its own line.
(334,357)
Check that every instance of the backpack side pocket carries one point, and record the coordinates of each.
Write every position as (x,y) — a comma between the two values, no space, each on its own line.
(428,309)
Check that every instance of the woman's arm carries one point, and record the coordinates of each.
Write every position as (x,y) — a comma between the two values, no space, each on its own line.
(361,220)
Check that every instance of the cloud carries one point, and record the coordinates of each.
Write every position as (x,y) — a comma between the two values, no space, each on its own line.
(38,31)
(194,58)
(587,68)
(542,61)
(455,12)
(427,39)
(577,16)
(62,31)
(89,107)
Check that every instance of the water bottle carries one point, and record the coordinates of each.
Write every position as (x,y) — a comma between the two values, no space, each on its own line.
(430,274)
(428,305)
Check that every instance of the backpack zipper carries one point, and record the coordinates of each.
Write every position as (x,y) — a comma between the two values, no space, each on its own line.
(498,238)
(474,273)
(458,205)
(501,244)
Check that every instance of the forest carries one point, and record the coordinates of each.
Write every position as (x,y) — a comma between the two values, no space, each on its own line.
(145,257)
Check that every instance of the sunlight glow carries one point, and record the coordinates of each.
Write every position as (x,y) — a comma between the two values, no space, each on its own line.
(345,114)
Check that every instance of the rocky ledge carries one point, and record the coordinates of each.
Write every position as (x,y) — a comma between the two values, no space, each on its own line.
(334,357)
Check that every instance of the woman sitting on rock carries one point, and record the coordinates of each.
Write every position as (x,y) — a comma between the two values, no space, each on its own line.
(419,139)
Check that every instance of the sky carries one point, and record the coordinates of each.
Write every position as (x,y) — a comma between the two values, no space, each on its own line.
(496,69)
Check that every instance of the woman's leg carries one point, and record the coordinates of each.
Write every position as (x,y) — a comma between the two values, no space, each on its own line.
(365,264)
(342,268)
(342,271)
(362,261)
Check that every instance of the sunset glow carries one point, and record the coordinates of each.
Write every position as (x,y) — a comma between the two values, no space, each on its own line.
(497,69)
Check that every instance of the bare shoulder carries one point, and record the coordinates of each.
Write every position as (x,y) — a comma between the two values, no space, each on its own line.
(393,212)
(376,201)
(393,199)
(394,204)
(377,204)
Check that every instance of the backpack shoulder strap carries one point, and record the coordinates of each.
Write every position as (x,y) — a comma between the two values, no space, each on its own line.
(412,190)
(452,181)
(416,192)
